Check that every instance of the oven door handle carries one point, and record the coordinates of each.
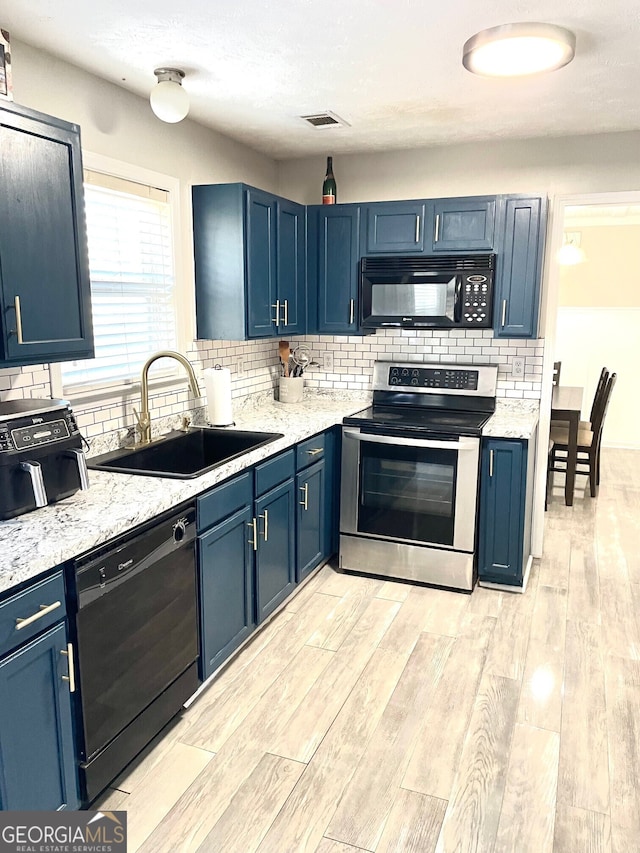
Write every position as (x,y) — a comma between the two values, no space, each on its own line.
(463,442)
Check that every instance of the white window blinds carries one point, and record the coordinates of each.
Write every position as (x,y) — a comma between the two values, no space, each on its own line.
(132,280)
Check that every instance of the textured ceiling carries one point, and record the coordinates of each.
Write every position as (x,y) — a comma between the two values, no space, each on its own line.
(391,68)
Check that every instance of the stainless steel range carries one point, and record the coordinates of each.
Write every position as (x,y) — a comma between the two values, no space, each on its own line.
(409,483)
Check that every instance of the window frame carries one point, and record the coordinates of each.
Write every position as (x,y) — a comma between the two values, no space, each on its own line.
(183,296)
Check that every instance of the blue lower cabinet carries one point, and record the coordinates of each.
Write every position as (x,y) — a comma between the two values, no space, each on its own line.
(310,526)
(37,752)
(225,563)
(275,548)
(503,493)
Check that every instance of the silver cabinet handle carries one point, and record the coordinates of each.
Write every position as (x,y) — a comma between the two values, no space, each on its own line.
(254,525)
(417,228)
(286,312)
(276,319)
(491,463)
(34,470)
(81,462)
(437,234)
(45,609)
(265,517)
(71,678)
(352,310)
(504,312)
(16,305)
(304,503)
(315,450)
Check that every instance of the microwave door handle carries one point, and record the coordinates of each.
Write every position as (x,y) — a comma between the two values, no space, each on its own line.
(457,309)
(463,443)
(34,470)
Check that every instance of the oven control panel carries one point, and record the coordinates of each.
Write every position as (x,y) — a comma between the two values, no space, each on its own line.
(447,379)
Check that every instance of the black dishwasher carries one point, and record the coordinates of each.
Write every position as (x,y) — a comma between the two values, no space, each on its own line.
(137,641)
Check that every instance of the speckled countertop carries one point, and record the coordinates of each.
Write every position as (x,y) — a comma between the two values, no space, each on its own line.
(40,540)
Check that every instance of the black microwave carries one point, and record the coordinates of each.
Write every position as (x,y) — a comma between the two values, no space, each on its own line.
(448,292)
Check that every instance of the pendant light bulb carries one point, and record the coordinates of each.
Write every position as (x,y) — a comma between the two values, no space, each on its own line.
(168,99)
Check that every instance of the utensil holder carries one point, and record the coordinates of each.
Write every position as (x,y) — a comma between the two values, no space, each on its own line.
(290,389)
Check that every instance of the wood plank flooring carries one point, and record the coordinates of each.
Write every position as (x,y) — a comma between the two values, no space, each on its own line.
(378,716)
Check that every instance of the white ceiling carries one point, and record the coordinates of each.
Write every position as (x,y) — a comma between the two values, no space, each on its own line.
(391,68)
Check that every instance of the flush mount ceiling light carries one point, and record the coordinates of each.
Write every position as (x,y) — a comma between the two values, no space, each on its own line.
(570,253)
(168,99)
(513,50)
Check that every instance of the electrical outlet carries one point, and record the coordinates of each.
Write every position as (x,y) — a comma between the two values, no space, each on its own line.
(517,367)
(327,361)
(240,367)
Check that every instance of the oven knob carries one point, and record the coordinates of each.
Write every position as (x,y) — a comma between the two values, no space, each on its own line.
(395,380)
(405,372)
(414,381)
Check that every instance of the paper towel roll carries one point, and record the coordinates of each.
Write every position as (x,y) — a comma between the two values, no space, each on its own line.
(217,383)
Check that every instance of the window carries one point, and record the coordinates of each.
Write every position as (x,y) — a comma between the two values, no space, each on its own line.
(133,284)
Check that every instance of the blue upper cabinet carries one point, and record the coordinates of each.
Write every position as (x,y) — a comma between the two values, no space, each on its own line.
(249,251)
(261,264)
(45,300)
(290,306)
(396,227)
(520,253)
(334,256)
(463,224)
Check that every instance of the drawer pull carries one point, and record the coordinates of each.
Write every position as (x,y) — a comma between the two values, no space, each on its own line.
(304,503)
(286,312)
(491,463)
(276,319)
(315,450)
(71,678)
(352,311)
(45,609)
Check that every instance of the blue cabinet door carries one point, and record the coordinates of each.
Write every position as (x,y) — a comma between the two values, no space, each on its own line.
(310,527)
(275,548)
(334,270)
(395,227)
(520,268)
(225,565)
(463,224)
(291,265)
(501,519)
(261,264)
(37,754)
(44,270)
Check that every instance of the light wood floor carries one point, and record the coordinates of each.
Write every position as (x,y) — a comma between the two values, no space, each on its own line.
(383,717)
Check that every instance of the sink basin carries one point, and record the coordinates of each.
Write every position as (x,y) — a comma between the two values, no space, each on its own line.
(183,455)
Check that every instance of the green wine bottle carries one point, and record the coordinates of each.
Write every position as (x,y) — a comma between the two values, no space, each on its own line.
(329,184)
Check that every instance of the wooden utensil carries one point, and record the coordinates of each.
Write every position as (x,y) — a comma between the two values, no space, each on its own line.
(285,352)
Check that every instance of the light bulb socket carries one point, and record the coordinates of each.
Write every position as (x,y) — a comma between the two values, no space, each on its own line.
(170,75)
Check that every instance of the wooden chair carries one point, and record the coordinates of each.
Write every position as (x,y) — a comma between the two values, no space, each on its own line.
(602,382)
(549,474)
(589,441)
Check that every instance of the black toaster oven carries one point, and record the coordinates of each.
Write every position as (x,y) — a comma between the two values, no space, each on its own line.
(41,458)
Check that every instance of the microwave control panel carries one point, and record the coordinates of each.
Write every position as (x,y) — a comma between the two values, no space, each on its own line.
(476,300)
(433,377)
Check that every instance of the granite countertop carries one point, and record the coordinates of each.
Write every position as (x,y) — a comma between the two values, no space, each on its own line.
(38,541)
(513,418)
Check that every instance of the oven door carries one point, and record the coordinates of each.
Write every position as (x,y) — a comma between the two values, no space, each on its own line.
(416,490)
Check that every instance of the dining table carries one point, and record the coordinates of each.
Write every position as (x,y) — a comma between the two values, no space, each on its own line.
(566,406)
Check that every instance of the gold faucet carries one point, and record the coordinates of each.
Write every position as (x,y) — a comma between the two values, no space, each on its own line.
(144,418)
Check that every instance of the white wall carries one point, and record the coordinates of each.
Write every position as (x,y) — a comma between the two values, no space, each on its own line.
(581,164)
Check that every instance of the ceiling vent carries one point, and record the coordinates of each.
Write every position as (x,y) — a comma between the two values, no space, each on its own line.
(321,121)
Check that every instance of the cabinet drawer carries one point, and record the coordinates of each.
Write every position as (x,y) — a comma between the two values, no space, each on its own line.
(309,451)
(274,471)
(44,601)
(224,500)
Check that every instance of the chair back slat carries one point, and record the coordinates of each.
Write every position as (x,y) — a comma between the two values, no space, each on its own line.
(605,397)
(600,387)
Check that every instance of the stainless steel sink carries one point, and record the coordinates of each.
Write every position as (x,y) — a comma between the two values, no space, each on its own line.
(183,455)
